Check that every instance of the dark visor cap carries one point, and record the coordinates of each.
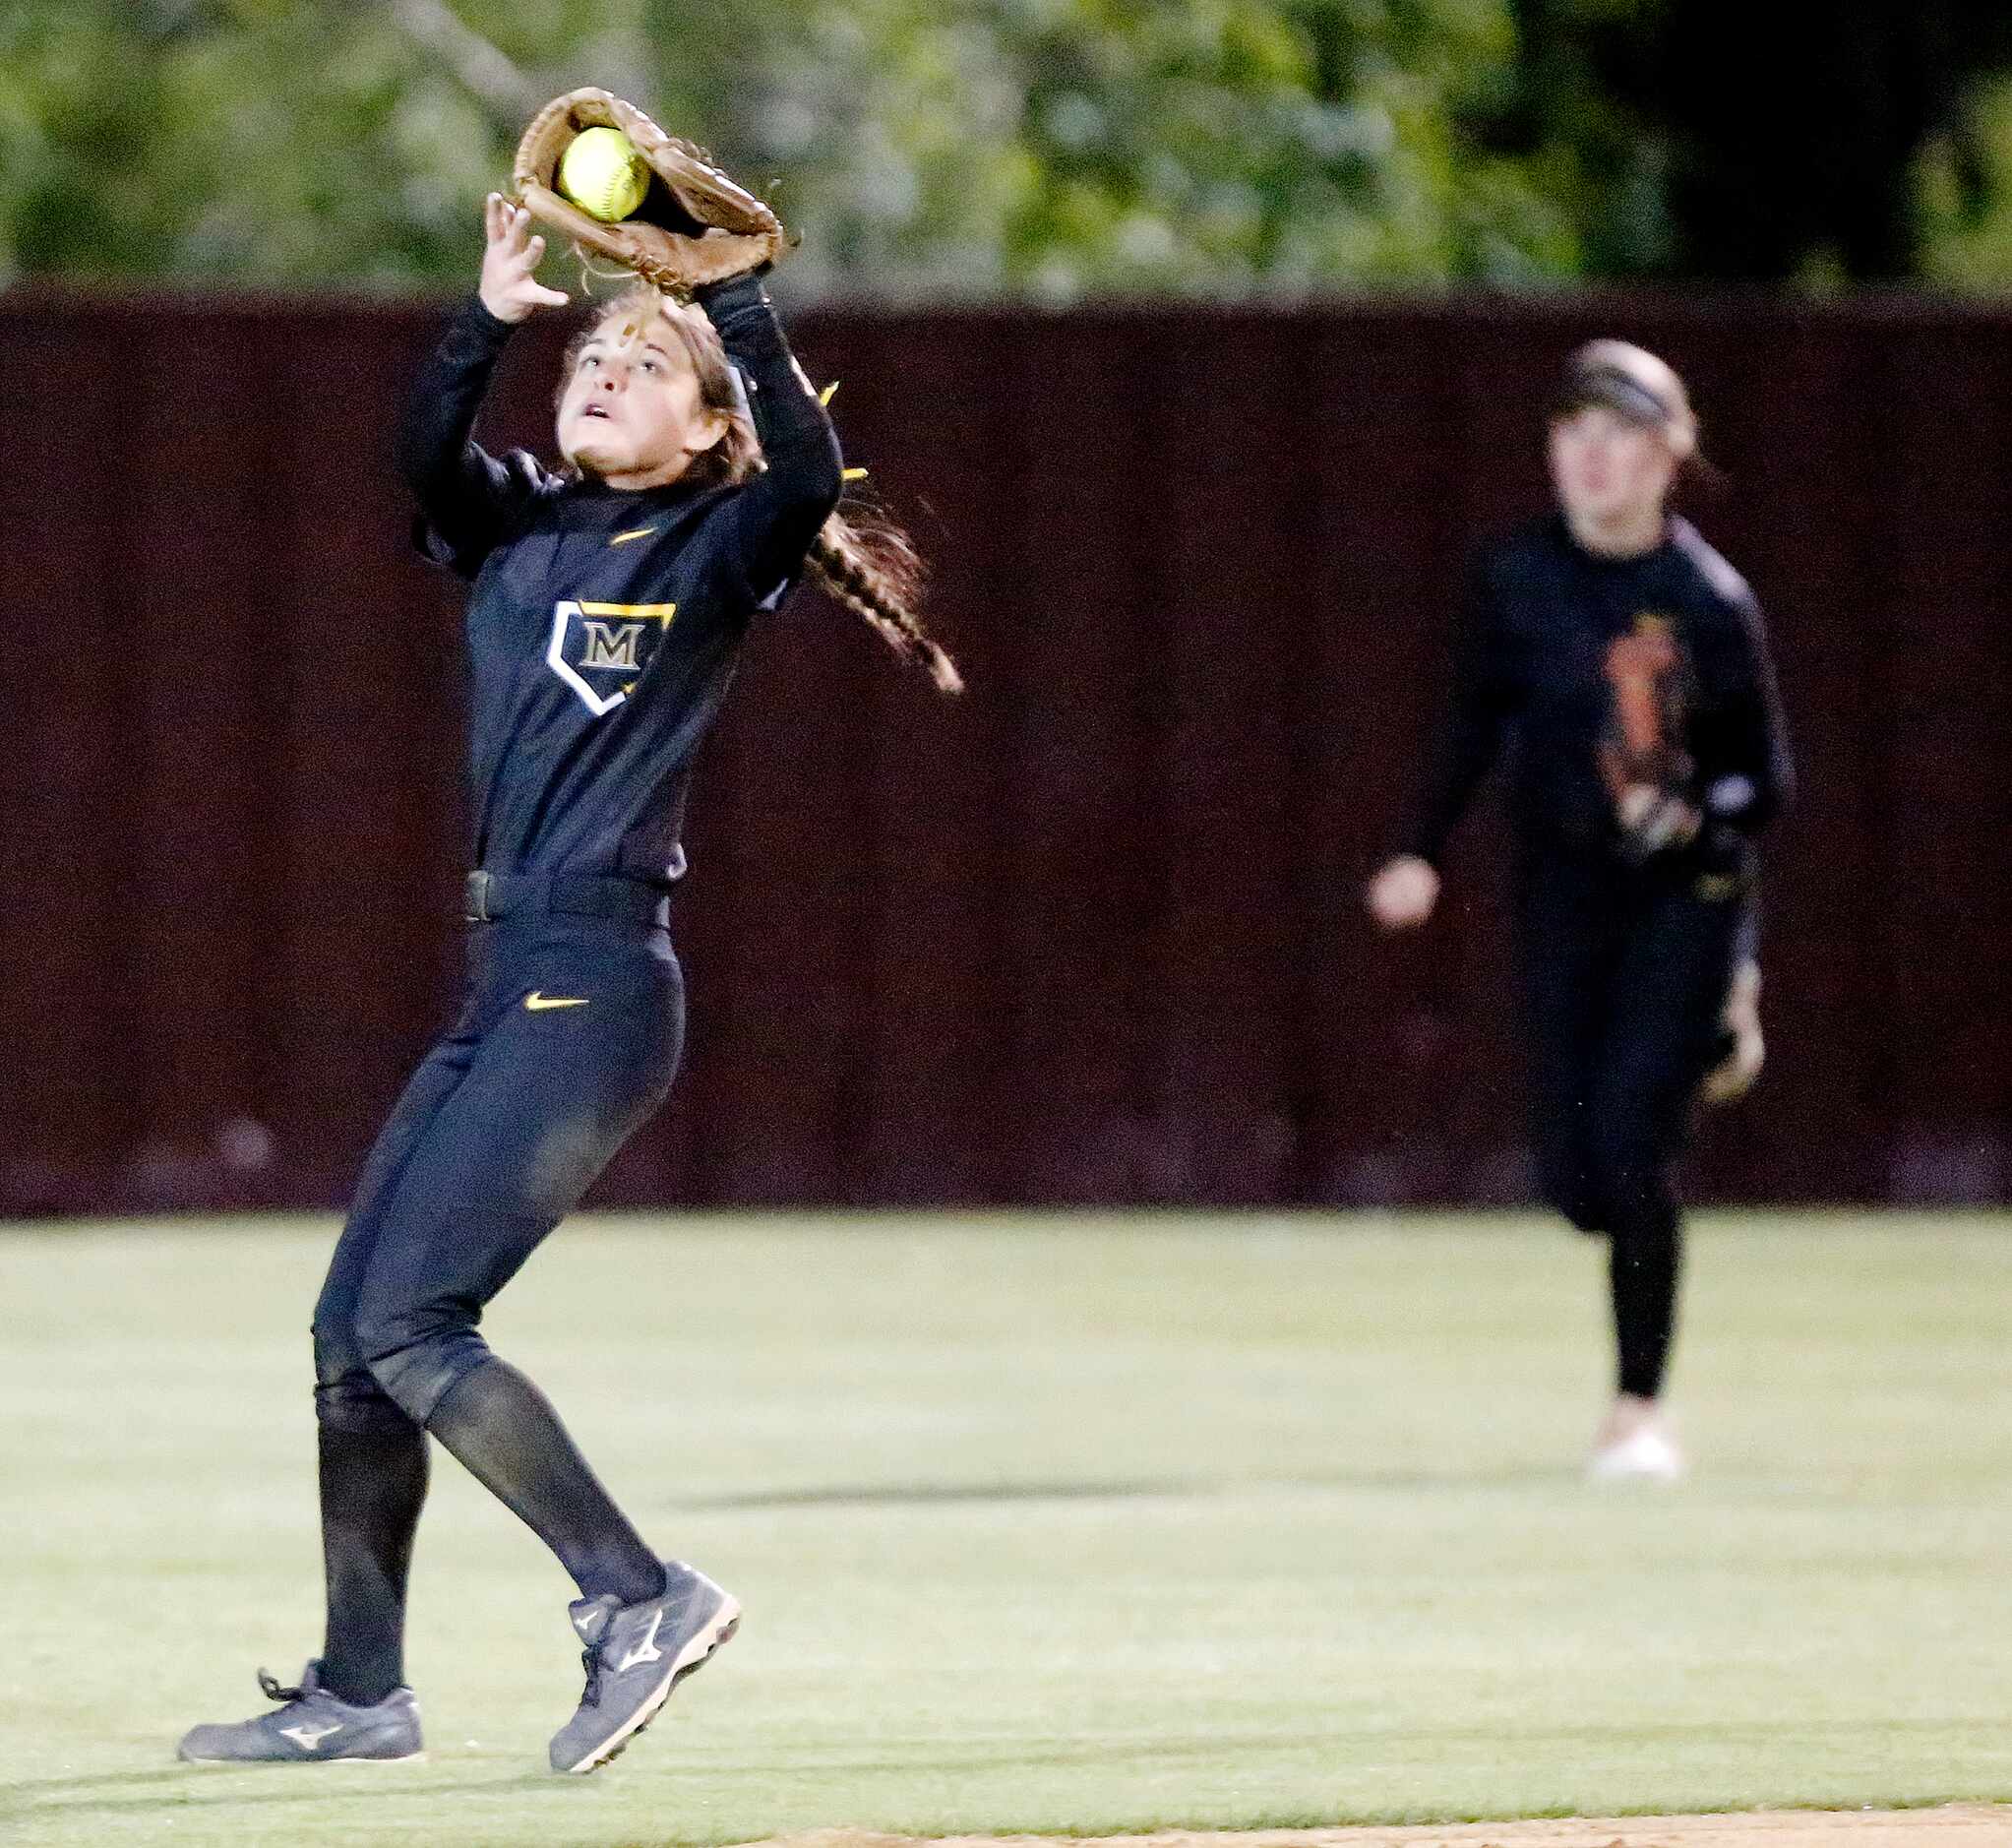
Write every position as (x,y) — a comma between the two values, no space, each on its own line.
(1598,382)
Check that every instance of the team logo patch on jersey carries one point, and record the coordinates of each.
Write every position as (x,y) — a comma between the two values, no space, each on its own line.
(599,648)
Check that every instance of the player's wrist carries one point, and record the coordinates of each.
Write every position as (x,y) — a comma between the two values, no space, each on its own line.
(499,311)
(737,294)
(491,319)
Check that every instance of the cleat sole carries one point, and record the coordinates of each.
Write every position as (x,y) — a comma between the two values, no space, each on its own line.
(251,1764)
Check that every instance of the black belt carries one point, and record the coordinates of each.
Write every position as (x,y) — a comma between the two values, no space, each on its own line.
(492,895)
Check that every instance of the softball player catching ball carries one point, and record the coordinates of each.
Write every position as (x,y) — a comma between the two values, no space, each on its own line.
(1624,664)
(609,601)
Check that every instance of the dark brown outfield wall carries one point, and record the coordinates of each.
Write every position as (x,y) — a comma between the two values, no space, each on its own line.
(1089,935)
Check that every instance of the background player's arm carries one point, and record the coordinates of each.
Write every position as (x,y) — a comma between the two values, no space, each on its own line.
(466,496)
(1745,772)
(1406,887)
(768,525)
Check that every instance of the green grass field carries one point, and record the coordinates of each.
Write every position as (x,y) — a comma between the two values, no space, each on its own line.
(1051,1525)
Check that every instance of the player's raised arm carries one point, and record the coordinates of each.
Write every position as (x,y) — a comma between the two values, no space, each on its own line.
(466,496)
(773,523)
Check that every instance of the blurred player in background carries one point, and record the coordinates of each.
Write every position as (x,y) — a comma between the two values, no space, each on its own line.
(609,602)
(1622,665)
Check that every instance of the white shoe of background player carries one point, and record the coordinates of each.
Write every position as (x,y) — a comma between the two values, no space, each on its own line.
(1635,1444)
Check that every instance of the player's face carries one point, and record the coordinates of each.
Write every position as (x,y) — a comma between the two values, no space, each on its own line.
(1606,471)
(633,414)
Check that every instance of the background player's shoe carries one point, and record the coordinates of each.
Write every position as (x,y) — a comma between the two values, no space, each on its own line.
(312,1727)
(634,1655)
(1635,1444)
(1741,1049)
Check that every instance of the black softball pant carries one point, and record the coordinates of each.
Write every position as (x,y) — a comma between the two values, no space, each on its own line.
(1623,973)
(567,1043)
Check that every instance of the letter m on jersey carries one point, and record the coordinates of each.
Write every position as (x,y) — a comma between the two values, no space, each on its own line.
(598,648)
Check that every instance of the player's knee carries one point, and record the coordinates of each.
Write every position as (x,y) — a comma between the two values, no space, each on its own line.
(1630,1182)
(337,1356)
(1567,1188)
(347,1395)
(358,1405)
(416,1373)
(412,1349)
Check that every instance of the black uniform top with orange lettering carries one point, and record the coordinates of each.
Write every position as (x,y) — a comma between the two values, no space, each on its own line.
(1534,674)
(604,623)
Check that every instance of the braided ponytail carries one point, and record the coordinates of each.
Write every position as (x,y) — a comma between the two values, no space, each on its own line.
(874,571)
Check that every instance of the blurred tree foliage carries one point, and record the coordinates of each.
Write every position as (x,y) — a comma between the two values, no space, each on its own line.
(1966,221)
(262,140)
(1044,149)
(1720,140)
(1056,147)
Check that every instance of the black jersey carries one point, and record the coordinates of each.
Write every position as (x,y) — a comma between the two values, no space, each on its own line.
(1531,676)
(604,623)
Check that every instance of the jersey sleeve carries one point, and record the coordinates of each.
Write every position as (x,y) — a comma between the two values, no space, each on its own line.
(1745,772)
(762,531)
(1470,736)
(468,500)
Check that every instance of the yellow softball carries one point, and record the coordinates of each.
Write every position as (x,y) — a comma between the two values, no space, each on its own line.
(602,172)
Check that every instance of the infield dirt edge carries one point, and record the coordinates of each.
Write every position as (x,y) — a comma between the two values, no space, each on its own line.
(1961,1825)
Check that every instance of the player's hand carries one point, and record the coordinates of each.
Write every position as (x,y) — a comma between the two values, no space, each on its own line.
(1403,892)
(1652,820)
(508,289)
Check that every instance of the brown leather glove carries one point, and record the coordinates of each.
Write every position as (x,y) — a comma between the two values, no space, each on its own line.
(694,225)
